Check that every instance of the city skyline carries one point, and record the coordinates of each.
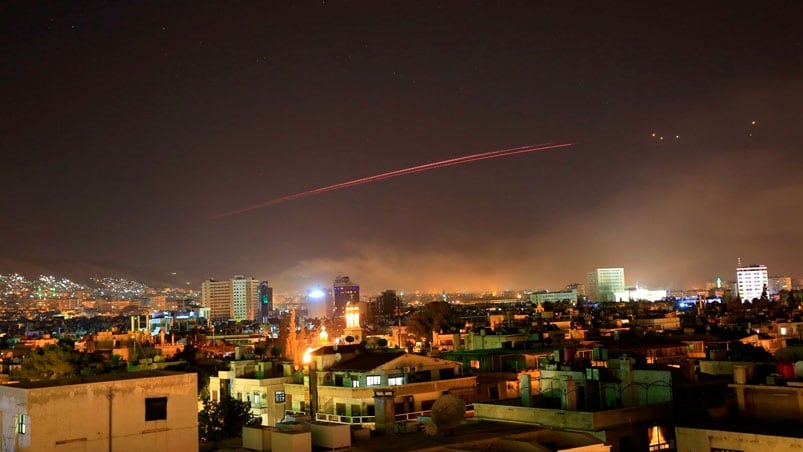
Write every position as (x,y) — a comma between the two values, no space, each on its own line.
(127,126)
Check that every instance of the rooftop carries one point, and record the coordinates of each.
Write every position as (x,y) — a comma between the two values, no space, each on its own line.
(368,361)
(96,379)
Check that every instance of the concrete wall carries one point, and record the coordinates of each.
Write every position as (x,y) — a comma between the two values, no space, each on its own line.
(781,403)
(330,396)
(76,416)
(694,440)
(573,420)
(711,367)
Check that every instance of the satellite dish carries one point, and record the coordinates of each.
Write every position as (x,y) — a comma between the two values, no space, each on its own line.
(448,412)
(338,357)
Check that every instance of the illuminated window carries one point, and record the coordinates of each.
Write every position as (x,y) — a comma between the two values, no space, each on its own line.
(257,400)
(373,380)
(474,364)
(355,383)
(396,381)
(279,397)
(657,439)
(21,429)
(155,408)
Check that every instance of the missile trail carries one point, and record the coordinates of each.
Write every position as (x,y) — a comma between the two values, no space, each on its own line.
(397,173)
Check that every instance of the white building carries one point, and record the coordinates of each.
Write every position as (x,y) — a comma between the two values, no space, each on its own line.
(639,294)
(603,283)
(151,410)
(751,281)
(259,383)
(554,297)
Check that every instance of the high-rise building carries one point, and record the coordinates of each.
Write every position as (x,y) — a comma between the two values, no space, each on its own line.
(384,308)
(265,296)
(751,281)
(603,283)
(216,295)
(236,298)
(779,283)
(345,290)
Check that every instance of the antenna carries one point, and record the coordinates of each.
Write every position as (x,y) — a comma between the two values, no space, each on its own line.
(738,262)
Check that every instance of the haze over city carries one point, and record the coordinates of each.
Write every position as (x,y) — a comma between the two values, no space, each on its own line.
(126,126)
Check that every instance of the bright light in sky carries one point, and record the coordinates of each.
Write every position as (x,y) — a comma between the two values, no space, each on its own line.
(316,293)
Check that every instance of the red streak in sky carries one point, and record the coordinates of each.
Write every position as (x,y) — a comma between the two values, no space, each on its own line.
(397,173)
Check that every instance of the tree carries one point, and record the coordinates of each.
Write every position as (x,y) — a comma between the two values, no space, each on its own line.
(224,419)
(260,348)
(52,362)
(435,316)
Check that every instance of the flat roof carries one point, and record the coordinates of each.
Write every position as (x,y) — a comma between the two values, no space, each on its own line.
(96,379)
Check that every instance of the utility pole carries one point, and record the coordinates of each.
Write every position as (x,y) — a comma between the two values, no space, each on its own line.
(110,396)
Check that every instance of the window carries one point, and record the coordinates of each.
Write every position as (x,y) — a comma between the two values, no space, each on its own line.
(355,383)
(658,440)
(21,424)
(373,380)
(257,399)
(493,392)
(214,396)
(155,408)
(474,364)
(279,397)
(396,381)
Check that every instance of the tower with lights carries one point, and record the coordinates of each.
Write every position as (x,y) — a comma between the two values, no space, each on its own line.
(353,327)
(265,309)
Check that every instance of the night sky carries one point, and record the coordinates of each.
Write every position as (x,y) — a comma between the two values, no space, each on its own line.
(126,125)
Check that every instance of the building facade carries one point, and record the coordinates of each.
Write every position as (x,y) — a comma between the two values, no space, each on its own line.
(345,290)
(769,419)
(153,410)
(261,384)
(639,294)
(779,283)
(265,296)
(344,390)
(554,297)
(751,281)
(603,283)
(236,298)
